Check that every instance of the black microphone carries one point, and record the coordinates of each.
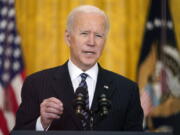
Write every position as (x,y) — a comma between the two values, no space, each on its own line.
(79,101)
(104,105)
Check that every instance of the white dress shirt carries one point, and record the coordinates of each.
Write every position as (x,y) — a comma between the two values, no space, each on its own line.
(91,79)
(74,73)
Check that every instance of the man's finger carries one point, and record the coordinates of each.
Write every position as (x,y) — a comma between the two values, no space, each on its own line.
(53,110)
(51,116)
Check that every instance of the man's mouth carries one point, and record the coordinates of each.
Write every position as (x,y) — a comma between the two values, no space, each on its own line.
(88,52)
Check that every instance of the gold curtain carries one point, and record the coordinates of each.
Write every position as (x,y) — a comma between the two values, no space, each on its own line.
(41,24)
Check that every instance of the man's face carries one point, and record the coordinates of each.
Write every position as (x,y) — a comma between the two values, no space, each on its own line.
(87,39)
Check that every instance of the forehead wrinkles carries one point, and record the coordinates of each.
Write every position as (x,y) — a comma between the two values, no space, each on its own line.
(89,21)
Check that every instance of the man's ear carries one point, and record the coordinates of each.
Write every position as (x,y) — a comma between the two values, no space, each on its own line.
(67,38)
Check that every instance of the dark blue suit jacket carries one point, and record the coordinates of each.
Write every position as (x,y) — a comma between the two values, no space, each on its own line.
(126,113)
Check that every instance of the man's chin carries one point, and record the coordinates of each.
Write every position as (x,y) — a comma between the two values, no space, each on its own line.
(88,65)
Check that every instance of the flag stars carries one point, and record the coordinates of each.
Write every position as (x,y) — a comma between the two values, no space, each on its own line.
(11,13)
(8,51)
(4,11)
(2,37)
(6,77)
(16,66)
(164,23)
(11,62)
(10,26)
(16,53)
(157,22)
(6,64)
(3,24)
(17,40)
(169,24)
(10,38)
(149,25)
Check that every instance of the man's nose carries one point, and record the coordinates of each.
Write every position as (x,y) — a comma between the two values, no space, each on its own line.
(91,40)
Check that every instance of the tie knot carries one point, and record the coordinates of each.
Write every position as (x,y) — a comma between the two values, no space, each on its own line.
(83,76)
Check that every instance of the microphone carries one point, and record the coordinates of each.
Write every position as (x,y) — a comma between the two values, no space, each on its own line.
(79,101)
(104,105)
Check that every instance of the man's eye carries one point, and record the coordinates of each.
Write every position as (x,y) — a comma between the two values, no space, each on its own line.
(98,35)
(84,33)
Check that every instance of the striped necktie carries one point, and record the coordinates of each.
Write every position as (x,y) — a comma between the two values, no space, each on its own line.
(85,112)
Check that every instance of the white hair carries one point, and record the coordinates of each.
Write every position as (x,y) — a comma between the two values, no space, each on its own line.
(86,9)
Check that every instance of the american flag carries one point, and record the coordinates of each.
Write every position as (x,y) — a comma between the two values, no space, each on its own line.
(11,66)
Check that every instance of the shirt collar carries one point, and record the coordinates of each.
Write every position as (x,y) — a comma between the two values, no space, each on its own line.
(75,71)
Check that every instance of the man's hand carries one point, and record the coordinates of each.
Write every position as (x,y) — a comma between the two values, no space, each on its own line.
(50,109)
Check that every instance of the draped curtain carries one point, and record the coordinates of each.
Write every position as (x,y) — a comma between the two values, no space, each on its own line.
(41,24)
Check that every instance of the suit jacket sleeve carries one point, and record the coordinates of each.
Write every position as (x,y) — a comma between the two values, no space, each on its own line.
(134,112)
(29,109)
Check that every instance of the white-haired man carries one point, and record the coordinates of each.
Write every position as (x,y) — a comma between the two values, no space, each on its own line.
(47,96)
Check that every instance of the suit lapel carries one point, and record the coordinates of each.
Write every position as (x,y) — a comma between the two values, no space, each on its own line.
(103,86)
(63,88)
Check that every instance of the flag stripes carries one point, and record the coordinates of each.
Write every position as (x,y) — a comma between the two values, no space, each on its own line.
(12,71)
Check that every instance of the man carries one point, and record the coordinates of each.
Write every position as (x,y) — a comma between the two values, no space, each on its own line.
(47,96)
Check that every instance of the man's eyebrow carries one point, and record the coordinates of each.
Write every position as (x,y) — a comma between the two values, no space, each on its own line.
(84,30)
